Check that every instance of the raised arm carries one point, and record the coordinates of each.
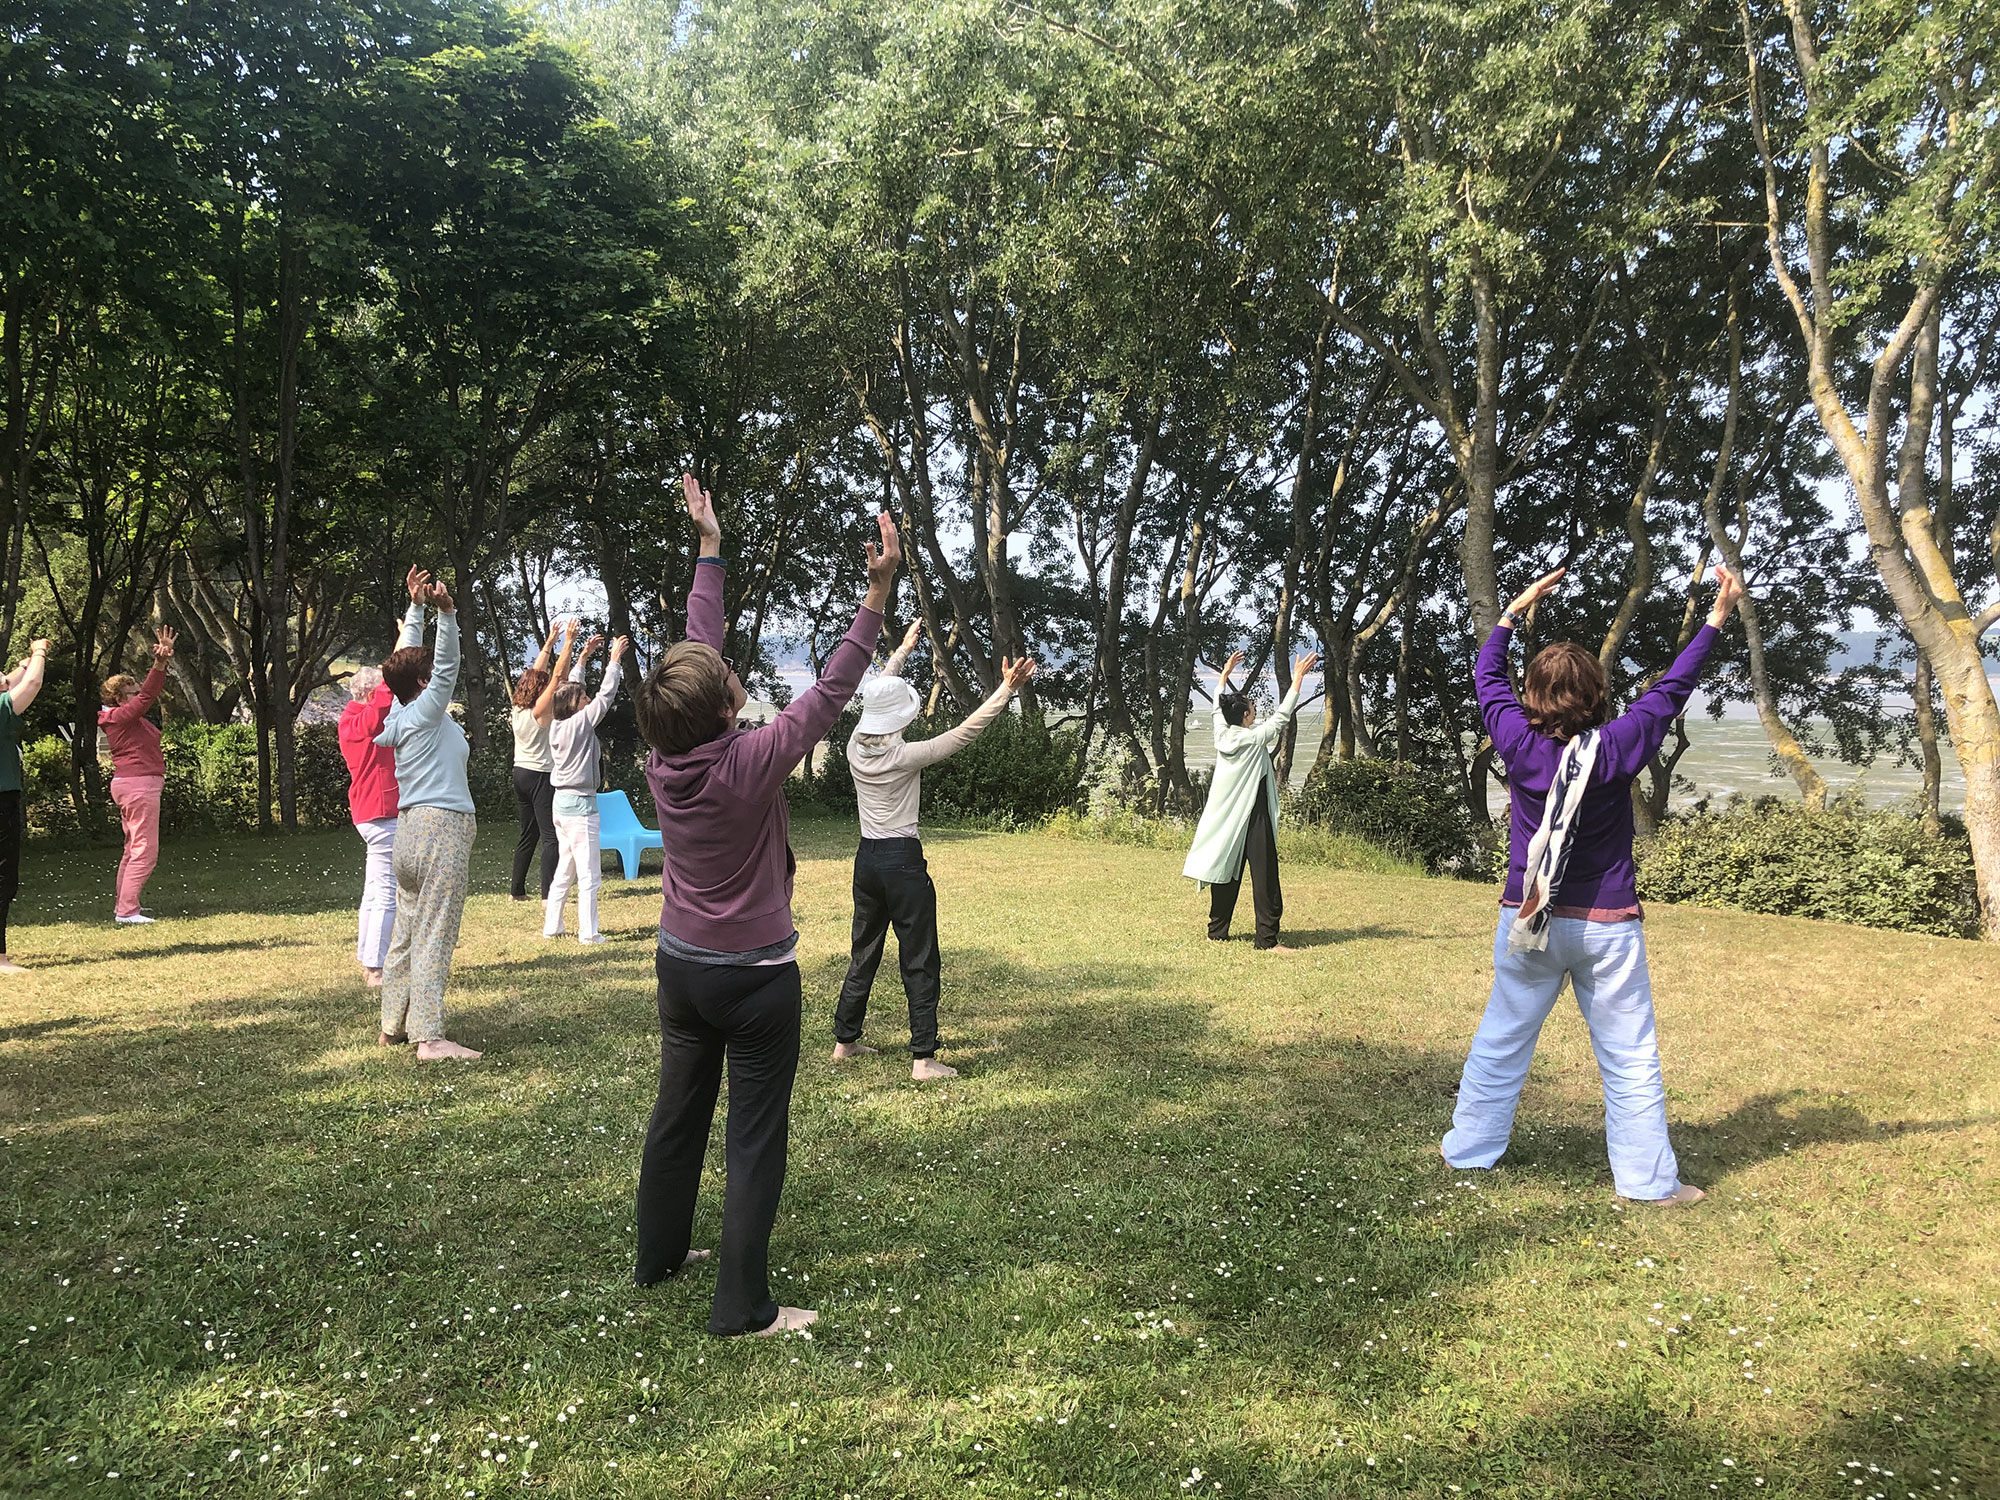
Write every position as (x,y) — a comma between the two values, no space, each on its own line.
(1014,675)
(705,621)
(1274,724)
(766,755)
(900,657)
(149,691)
(1629,741)
(27,686)
(1506,721)
(434,702)
(545,702)
(419,585)
(548,650)
(1222,686)
(598,707)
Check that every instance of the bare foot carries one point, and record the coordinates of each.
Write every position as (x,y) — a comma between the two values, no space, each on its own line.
(1681,1196)
(8,966)
(372,978)
(928,1069)
(443,1048)
(1277,948)
(695,1255)
(842,1051)
(789,1320)
(383,1039)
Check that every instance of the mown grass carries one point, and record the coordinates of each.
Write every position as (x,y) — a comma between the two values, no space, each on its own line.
(1180,1229)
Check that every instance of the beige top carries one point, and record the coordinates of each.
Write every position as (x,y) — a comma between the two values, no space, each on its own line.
(531,742)
(888,774)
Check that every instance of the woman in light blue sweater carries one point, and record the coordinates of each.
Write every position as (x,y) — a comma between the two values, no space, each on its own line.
(434,830)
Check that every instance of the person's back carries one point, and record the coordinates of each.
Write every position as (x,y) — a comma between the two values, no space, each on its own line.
(1599,874)
(729,991)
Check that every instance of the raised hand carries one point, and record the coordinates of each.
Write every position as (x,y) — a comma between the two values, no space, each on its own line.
(1229,669)
(620,647)
(419,583)
(910,636)
(1017,674)
(1533,593)
(701,511)
(883,561)
(592,646)
(163,647)
(41,647)
(439,599)
(1307,665)
(1728,594)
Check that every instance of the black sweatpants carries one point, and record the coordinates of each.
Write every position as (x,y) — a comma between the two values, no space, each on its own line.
(10,858)
(1260,856)
(892,887)
(751,1016)
(536,796)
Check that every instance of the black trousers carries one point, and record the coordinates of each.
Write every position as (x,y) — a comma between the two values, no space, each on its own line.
(1260,856)
(892,887)
(537,799)
(751,1017)
(10,858)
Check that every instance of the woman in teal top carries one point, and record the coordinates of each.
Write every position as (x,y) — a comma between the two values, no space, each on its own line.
(17,690)
(1239,824)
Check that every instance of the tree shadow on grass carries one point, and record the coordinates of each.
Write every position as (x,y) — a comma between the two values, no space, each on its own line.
(142,952)
(1757,1130)
(1120,1146)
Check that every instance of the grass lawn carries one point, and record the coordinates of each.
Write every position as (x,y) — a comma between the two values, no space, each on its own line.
(1180,1229)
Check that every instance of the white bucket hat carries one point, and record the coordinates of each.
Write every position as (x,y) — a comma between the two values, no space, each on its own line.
(887,704)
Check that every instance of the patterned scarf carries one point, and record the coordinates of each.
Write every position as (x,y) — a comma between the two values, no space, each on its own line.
(1548,853)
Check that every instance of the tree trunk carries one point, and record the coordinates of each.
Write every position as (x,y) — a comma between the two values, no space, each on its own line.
(1924,692)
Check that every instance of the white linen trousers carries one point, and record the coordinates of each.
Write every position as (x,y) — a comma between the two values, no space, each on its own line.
(1606,965)
(378,892)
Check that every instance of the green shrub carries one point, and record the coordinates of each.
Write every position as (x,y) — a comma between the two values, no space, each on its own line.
(1398,807)
(1846,863)
(1019,773)
(1296,845)
(51,810)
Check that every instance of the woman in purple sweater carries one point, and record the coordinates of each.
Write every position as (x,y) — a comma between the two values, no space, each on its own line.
(1571,905)
(728,981)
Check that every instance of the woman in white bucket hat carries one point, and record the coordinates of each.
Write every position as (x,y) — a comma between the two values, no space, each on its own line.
(892,884)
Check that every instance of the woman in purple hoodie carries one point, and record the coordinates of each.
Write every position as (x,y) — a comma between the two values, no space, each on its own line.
(1571,906)
(728,981)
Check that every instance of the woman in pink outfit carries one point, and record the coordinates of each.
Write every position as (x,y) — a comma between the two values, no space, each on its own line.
(138,774)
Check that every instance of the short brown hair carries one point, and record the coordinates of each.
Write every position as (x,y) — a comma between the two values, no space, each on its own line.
(569,698)
(115,688)
(528,686)
(1564,691)
(681,702)
(405,671)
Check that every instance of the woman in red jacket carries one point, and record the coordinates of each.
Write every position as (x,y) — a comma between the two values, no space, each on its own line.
(138,774)
(373,796)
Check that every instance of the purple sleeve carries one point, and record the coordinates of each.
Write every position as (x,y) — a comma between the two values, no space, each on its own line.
(705,622)
(1506,721)
(761,759)
(1632,739)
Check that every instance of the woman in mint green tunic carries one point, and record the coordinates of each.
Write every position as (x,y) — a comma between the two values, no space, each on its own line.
(1238,827)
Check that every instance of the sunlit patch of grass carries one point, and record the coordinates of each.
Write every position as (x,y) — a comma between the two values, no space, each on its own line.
(1180,1229)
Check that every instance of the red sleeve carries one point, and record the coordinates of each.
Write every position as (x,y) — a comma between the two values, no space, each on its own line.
(135,707)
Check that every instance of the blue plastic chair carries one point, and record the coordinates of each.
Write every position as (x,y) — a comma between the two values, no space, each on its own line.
(619,828)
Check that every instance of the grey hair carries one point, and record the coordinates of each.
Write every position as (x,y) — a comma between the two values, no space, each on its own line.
(361,686)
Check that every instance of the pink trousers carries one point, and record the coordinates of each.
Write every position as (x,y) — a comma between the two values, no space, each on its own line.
(138,799)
